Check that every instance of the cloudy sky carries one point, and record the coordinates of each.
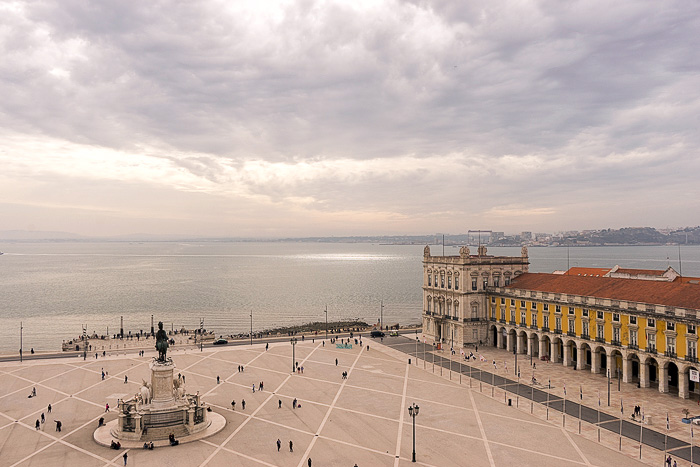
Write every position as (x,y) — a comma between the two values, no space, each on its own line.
(294,118)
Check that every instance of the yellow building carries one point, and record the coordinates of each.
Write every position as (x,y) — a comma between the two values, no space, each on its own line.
(638,324)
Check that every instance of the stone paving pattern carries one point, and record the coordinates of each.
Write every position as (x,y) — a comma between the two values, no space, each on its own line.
(360,420)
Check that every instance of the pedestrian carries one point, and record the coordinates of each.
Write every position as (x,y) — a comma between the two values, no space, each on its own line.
(267,346)
(291,446)
(183,378)
(126,379)
(233,405)
(106,407)
(49,408)
(243,403)
(336,362)
(279,444)
(34,392)
(37,424)
(309,462)
(534,365)
(253,387)
(279,403)
(43,419)
(125,456)
(294,403)
(218,380)
(103,375)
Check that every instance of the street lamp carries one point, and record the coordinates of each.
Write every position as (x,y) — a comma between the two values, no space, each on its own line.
(326,312)
(153,333)
(85,342)
(413,412)
(381,315)
(20,341)
(251,327)
(293,340)
(201,334)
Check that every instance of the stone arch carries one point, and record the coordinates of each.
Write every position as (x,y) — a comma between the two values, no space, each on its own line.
(692,388)
(617,362)
(570,355)
(632,367)
(671,371)
(493,335)
(586,355)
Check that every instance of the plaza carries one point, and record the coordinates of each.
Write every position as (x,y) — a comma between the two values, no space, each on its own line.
(360,420)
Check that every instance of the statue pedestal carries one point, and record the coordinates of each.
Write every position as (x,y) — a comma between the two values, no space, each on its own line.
(162,395)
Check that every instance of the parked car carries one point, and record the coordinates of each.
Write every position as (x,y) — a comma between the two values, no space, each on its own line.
(220,342)
(377,334)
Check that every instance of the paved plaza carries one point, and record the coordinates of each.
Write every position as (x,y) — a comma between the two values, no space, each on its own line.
(360,420)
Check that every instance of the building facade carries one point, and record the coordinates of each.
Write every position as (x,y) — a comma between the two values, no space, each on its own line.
(638,325)
(455,293)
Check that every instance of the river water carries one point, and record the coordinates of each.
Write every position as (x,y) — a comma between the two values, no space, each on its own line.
(54,288)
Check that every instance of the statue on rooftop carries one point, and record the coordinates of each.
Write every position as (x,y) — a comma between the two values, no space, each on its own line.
(161,342)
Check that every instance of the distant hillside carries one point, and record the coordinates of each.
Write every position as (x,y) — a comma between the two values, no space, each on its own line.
(37,235)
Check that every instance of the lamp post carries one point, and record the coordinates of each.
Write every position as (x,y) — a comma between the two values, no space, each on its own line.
(85,342)
(293,340)
(20,341)
(413,412)
(326,312)
(201,334)
(381,315)
(609,383)
(153,333)
(251,327)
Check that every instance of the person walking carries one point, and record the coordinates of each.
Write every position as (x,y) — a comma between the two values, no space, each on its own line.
(279,444)
(291,446)
(126,380)
(37,424)
(336,362)
(49,408)
(267,346)
(233,405)
(253,387)
(309,462)
(106,408)
(243,404)
(279,403)
(42,417)
(294,403)
(125,457)
(218,380)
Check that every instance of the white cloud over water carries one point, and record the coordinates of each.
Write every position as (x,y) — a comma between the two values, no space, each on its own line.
(319,117)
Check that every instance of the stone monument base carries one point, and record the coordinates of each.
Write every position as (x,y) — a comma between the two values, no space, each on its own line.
(103,435)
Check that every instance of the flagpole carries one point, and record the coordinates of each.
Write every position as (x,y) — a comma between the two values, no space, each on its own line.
(547,405)
(622,411)
(641,434)
(691,443)
(579,408)
(461,352)
(599,415)
(563,415)
(668,426)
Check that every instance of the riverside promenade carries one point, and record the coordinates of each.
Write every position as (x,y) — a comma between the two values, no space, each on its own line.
(362,420)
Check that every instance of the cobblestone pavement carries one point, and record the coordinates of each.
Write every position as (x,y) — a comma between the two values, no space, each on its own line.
(360,420)
(590,389)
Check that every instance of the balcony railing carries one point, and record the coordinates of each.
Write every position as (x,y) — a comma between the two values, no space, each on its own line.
(502,321)
(671,354)
(688,358)
(600,339)
(557,331)
(633,347)
(545,328)
(585,337)
(651,350)
(533,326)
(512,321)
(614,342)
(571,334)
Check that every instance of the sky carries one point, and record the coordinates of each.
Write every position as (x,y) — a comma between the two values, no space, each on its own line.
(304,118)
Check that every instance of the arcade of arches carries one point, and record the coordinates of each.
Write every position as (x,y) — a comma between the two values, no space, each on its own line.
(633,366)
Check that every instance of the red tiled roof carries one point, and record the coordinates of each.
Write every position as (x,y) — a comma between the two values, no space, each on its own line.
(587,271)
(679,293)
